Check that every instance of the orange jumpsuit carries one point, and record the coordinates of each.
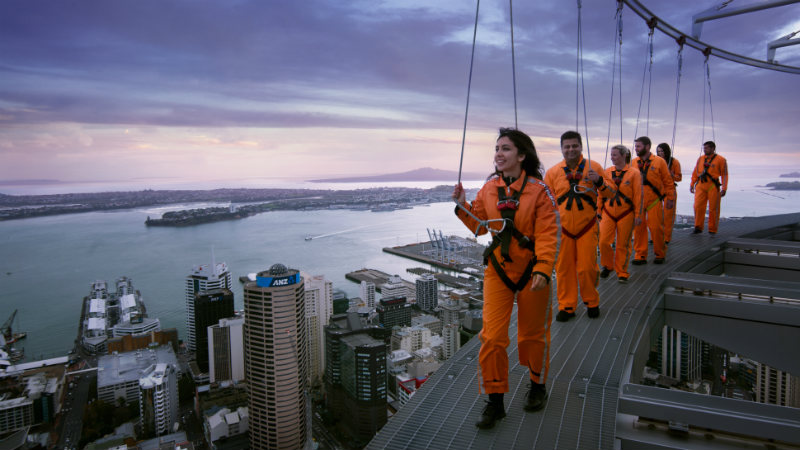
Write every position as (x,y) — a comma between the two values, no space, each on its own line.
(618,219)
(577,258)
(669,213)
(655,174)
(707,190)
(537,219)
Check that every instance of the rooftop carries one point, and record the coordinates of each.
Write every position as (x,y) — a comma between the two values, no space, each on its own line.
(129,366)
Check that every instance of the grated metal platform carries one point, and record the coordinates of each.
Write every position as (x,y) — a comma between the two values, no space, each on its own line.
(587,361)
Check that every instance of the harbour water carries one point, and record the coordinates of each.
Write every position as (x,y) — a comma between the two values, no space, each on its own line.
(48,263)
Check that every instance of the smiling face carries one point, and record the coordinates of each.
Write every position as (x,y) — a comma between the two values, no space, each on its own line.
(507,158)
(571,149)
(617,158)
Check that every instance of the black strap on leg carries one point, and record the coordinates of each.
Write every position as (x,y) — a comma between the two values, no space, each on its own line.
(519,285)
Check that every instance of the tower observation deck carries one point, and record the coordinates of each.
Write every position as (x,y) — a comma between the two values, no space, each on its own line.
(739,290)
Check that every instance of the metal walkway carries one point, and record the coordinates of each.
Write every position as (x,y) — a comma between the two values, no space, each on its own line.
(591,362)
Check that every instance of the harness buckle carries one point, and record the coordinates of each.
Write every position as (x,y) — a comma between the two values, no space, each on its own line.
(508,205)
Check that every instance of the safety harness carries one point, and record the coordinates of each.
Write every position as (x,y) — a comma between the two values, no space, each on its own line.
(508,206)
(573,194)
(644,167)
(619,197)
(705,176)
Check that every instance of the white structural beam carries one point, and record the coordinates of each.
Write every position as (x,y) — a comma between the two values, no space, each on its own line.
(784,41)
(721,11)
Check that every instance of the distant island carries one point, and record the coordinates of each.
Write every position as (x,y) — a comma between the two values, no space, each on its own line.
(423,174)
(791,175)
(785,185)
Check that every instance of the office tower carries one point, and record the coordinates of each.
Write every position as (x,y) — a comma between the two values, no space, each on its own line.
(355,376)
(396,287)
(680,355)
(368,293)
(776,387)
(451,341)
(427,292)
(158,398)
(340,302)
(394,312)
(275,349)
(209,307)
(203,278)
(319,306)
(226,350)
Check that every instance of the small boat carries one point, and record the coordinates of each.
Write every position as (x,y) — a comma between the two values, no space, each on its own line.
(308,238)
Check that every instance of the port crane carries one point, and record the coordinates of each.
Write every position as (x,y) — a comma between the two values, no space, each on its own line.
(8,333)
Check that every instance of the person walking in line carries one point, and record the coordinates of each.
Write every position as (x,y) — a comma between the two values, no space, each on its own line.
(620,214)
(657,185)
(707,187)
(577,184)
(522,215)
(674,166)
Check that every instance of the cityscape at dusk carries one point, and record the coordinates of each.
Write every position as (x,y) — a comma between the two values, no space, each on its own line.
(240,225)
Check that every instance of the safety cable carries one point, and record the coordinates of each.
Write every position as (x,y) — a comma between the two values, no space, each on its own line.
(677,95)
(617,45)
(582,85)
(648,69)
(469,89)
(707,87)
(513,61)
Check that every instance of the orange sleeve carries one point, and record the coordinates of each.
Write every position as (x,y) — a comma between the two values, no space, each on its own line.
(676,170)
(695,175)
(667,183)
(724,169)
(636,183)
(476,208)
(609,187)
(545,232)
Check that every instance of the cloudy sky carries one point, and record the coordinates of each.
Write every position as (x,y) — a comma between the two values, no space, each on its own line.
(211,90)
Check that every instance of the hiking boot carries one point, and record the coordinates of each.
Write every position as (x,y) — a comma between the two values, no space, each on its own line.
(564,316)
(605,272)
(536,398)
(658,261)
(623,280)
(639,262)
(492,412)
(593,312)
(697,230)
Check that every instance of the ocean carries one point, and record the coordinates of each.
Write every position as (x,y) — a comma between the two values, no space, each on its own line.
(48,263)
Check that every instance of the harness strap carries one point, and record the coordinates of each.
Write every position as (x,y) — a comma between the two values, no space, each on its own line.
(621,216)
(651,205)
(519,285)
(571,196)
(644,167)
(582,232)
(507,212)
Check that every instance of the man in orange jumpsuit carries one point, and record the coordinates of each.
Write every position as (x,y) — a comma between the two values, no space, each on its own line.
(657,185)
(707,188)
(674,166)
(576,184)
(620,213)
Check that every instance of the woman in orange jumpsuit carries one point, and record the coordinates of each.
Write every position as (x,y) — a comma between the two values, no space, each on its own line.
(519,264)
(674,167)
(620,213)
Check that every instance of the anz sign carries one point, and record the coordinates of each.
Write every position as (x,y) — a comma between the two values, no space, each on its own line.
(278,281)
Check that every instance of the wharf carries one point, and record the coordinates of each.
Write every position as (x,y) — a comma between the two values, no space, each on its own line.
(449,280)
(376,277)
(467,257)
(596,396)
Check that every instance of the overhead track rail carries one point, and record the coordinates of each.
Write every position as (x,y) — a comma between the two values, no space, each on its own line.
(697,44)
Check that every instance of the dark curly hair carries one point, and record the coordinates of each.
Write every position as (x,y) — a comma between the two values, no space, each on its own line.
(531,164)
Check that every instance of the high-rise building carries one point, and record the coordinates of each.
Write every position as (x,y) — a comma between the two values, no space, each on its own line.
(209,307)
(226,350)
(427,292)
(158,398)
(776,387)
(319,306)
(340,302)
(355,376)
(451,341)
(449,312)
(681,355)
(205,277)
(396,287)
(276,358)
(368,293)
(394,312)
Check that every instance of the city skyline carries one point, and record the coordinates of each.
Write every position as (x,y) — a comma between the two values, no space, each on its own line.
(151,90)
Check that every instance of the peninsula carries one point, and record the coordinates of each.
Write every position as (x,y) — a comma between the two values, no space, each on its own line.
(423,174)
